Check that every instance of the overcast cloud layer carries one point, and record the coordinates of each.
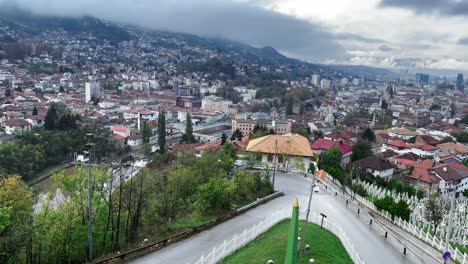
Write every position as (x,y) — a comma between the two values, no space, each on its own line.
(418,35)
(239,21)
(443,7)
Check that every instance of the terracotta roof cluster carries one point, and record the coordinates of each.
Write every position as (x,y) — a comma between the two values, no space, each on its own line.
(428,139)
(454,147)
(387,154)
(120,128)
(210,146)
(16,123)
(185,147)
(399,143)
(241,145)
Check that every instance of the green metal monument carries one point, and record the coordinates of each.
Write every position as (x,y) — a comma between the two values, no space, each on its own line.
(291,251)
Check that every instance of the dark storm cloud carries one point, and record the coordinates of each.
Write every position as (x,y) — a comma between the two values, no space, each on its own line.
(221,18)
(442,7)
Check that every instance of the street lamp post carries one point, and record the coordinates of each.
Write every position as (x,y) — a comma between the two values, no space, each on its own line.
(88,146)
(274,164)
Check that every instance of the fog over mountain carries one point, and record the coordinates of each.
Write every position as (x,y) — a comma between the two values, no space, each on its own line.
(394,34)
(215,18)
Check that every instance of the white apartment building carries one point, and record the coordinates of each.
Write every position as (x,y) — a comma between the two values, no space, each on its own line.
(92,89)
(214,103)
(315,79)
(325,84)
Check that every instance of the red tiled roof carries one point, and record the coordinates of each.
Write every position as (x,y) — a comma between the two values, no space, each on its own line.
(384,135)
(404,161)
(458,166)
(185,147)
(398,143)
(211,146)
(421,171)
(120,128)
(428,147)
(326,144)
(16,123)
(323,144)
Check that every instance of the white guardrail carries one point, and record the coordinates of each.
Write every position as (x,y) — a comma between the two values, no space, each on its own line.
(239,240)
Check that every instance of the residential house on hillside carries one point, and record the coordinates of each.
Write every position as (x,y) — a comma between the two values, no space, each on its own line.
(16,126)
(401,133)
(450,178)
(36,120)
(283,150)
(321,145)
(421,177)
(213,146)
(344,136)
(399,146)
(324,127)
(424,150)
(376,166)
(426,140)
(460,151)
(122,131)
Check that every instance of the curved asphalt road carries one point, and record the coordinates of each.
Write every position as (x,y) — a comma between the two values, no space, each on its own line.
(371,246)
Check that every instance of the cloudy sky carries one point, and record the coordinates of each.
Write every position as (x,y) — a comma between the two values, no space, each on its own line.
(396,34)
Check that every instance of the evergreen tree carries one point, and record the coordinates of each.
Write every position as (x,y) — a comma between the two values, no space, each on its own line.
(51,118)
(361,149)
(236,135)
(61,90)
(145,131)
(223,139)
(453,109)
(289,105)
(188,136)
(34,111)
(369,135)
(7,92)
(162,133)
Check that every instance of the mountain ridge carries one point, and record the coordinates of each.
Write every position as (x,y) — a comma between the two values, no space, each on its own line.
(26,24)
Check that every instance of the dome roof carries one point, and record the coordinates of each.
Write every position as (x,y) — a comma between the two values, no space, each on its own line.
(259,115)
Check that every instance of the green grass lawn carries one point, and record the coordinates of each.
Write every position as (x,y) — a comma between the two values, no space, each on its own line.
(325,247)
(460,247)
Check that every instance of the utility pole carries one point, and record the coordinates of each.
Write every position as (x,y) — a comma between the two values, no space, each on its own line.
(274,164)
(449,231)
(312,186)
(88,146)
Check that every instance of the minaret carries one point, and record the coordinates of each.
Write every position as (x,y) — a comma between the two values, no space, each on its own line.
(373,120)
(291,250)
(139,121)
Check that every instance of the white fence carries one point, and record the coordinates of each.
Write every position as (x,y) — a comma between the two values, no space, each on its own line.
(239,240)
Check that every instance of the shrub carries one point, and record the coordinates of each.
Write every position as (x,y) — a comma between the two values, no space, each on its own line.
(400,209)
(215,195)
(357,188)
